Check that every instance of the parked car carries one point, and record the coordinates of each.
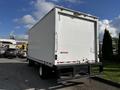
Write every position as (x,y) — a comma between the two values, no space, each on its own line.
(10,53)
(22,54)
(2,51)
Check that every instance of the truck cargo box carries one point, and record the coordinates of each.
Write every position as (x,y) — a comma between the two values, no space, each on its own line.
(64,37)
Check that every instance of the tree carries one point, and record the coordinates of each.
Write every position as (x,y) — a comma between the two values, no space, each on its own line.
(12,36)
(107,49)
(119,45)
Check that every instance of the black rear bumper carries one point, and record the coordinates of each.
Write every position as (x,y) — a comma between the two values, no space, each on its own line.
(88,69)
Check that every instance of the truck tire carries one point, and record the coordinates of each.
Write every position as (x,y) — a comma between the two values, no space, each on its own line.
(42,71)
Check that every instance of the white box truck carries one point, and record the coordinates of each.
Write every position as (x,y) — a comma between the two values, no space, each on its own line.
(64,42)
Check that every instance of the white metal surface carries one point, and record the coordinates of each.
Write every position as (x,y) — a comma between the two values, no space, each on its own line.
(75,39)
(41,42)
(70,37)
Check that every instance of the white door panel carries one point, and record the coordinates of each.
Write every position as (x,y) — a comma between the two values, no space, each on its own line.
(75,39)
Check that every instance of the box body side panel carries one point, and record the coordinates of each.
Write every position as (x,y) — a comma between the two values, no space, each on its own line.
(41,44)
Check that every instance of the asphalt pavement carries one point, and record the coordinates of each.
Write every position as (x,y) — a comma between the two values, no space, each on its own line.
(16,75)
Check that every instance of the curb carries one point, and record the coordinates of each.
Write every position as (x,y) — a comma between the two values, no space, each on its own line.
(106,81)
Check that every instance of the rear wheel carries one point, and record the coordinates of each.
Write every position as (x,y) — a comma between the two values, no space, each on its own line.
(45,72)
(42,71)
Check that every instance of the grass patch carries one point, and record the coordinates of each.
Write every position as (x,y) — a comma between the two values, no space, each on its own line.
(112,72)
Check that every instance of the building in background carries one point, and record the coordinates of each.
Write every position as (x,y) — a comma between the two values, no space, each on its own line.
(17,44)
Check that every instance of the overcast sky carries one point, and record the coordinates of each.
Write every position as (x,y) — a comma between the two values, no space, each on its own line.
(19,15)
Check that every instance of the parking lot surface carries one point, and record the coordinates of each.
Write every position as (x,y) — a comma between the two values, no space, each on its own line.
(16,75)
